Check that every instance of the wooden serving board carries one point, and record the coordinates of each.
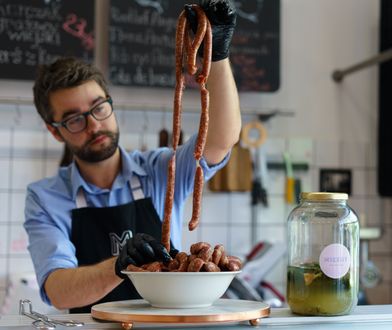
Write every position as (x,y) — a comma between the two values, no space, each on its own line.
(224,310)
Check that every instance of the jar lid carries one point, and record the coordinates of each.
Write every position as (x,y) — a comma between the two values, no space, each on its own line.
(322,196)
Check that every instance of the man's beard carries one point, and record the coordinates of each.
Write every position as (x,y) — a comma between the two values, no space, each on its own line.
(87,154)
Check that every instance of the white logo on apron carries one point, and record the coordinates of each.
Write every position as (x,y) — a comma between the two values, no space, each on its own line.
(118,242)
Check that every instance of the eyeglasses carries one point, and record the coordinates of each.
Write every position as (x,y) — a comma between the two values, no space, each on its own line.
(76,124)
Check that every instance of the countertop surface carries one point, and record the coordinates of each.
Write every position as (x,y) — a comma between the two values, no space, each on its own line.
(363,317)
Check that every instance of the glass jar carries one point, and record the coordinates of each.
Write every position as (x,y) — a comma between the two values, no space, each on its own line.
(323,255)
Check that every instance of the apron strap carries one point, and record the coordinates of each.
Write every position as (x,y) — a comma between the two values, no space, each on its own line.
(135,186)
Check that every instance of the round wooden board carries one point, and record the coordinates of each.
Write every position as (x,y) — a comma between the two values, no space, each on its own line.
(223,310)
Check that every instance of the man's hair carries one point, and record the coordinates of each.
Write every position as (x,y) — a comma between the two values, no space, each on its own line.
(63,73)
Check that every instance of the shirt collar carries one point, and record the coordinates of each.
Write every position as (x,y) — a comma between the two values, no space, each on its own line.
(129,166)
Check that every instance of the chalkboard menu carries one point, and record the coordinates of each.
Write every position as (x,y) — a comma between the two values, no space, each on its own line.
(142,42)
(34,32)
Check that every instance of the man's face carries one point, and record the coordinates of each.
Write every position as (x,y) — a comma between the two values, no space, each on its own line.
(99,140)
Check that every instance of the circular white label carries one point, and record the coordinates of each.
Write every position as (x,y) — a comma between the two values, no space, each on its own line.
(335,260)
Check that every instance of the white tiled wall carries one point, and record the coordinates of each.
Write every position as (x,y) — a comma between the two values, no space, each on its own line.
(333,126)
(28,153)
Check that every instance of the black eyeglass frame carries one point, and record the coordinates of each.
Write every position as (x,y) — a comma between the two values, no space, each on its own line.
(85,115)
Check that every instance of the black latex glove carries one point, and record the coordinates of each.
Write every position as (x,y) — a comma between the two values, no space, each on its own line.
(139,250)
(223,17)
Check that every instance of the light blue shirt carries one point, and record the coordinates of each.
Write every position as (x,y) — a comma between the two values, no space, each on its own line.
(49,202)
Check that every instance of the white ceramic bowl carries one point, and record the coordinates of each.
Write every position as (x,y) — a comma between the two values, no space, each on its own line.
(181,289)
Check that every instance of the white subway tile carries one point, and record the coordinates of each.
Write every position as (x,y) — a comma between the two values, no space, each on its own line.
(384,244)
(4,173)
(276,182)
(272,234)
(239,243)
(239,207)
(315,179)
(215,208)
(5,139)
(386,213)
(306,179)
(371,152)
(29,139)
(51,142)
(301,150)
(354,154)
(8,116)
(16,214)
(384,265)
(364,182)
(21,264)
(274,213)
(327,153)
(18,241)
(359,205)
(151,141)
(25,171)
(214,234)
(3,277)
(374,212)
(3,240)
(130,141)
(51,167)
(4,206)
(274,148)
(26,117)
(277,273)
(190,237)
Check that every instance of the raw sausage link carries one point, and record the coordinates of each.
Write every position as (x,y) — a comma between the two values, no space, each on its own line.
(182,258)
(184,266)
(207,53)
(168,202)
(196,247)
(155,266)
(199,35)
(181,31)
(173,265)
(133,268)
(197,194)
(211,267)
(205,254)
(177,106)
(217,254)
(203,125)
(177,109)
(233,265)
(195,265)
(203,258)
(185,47)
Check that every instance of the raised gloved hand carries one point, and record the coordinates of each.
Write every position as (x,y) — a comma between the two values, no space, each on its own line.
(139,250)
(223,17)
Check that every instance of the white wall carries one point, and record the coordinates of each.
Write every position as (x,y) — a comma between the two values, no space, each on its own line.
(335,125)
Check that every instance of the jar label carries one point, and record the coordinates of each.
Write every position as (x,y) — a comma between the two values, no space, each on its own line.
(335,260)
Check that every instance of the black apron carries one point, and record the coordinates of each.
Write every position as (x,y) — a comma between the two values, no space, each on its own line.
(99,232)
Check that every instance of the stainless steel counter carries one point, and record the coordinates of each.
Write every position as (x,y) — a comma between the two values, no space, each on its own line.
(363,318)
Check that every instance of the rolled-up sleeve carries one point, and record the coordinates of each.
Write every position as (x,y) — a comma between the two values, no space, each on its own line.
(49,244)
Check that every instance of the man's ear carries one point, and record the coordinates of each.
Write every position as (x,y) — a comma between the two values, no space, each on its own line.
(55,132)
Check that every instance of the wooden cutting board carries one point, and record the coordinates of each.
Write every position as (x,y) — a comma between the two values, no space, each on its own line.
(237,175)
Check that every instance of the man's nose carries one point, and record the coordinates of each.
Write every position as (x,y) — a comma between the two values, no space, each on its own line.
(92,124)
